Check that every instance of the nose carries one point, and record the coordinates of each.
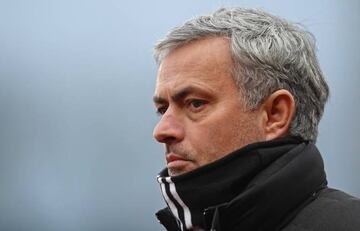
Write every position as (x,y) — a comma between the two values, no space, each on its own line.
(169,129)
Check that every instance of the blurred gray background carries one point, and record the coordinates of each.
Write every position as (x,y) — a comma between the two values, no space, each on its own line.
(76,113)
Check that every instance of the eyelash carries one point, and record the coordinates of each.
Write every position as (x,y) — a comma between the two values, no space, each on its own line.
(192,101)
(161,110)
(189,103)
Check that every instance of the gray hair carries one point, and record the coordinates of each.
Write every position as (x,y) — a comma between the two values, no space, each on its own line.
(269,54)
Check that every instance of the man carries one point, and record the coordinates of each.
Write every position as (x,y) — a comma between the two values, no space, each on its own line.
(240,94)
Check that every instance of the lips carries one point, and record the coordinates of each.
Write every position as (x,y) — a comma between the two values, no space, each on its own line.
(173,157)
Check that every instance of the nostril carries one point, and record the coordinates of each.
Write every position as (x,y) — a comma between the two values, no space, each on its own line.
(168,130)
(164,137)
(167,136)
(169,140)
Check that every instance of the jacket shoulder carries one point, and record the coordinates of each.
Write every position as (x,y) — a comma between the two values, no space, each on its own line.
(332,210)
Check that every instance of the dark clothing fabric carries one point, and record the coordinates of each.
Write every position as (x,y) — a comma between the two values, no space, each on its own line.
(332,210)
(275,185)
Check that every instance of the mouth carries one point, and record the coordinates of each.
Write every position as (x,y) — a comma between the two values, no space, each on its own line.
(175,161)
(173,157)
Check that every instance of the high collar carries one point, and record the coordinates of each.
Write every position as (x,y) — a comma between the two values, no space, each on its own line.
(261,182)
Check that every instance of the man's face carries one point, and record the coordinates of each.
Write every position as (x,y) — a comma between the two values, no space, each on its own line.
(202,117)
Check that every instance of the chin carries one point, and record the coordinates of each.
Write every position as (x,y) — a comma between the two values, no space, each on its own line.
(178,172)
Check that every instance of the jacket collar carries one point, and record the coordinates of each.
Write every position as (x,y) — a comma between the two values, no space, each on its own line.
(261,182)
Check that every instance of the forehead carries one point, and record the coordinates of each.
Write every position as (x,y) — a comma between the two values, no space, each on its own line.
(206,62)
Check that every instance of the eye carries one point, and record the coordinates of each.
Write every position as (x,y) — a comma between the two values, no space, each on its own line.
(196,104)
(161,110)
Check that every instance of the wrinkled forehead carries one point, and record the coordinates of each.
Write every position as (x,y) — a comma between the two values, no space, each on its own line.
(206,60)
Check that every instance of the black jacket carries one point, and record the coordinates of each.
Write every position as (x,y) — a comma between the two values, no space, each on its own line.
(276,185)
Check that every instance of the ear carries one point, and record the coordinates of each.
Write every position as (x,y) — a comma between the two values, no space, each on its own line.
(278,110)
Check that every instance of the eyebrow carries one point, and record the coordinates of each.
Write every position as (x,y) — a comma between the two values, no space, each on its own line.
(178,95)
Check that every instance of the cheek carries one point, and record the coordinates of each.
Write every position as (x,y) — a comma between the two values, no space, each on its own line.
(231,134)
(246,131)
(217,138)
(204,143)
(215,141)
